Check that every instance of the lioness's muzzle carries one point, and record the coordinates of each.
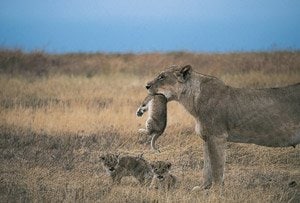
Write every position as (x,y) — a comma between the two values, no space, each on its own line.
(148,86)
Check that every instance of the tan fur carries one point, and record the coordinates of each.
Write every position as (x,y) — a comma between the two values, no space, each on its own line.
(118,167)
(162,179)
(268,117)
(157,119)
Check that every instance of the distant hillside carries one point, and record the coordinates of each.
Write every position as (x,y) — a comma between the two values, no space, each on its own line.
(42,64)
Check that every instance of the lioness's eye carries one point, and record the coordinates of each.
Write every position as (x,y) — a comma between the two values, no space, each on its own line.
(161,77)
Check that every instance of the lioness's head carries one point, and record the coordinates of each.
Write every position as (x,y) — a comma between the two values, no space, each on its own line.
(160,169)
(170,82)
(110,161)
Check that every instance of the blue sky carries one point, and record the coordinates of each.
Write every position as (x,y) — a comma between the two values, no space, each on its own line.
(150,25)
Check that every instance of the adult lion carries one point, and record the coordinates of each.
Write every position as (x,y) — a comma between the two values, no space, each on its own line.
(268,117)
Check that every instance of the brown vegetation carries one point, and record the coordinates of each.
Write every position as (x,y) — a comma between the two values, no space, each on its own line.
(59,113)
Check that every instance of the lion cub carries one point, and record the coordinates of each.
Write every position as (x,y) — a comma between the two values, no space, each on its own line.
(118,167)
(157,119)
(162,179)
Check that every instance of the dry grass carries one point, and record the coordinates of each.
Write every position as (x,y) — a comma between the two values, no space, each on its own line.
(60,112)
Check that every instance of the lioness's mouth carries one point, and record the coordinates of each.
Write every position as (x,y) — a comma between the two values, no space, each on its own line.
(151,92)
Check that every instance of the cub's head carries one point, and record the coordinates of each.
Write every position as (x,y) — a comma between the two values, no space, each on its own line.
(170,82)
(160,169)
(109,162)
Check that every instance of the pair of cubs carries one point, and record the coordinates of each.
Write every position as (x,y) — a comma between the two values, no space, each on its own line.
(155,175)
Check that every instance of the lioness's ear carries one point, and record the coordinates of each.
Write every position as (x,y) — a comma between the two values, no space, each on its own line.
(184,73)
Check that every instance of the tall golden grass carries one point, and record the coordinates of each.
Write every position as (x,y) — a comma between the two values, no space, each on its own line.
(60,112)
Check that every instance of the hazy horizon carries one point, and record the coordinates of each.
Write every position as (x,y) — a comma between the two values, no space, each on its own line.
(161,26)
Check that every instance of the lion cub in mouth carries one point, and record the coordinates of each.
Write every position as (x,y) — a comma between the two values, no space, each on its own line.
(162,178)
(118,167)
(157,119)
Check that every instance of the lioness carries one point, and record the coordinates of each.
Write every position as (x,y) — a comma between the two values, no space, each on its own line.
(162,179)
(118,167)
(268,117)
(157,119)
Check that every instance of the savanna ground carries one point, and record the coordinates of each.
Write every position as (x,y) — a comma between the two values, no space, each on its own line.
(59,113)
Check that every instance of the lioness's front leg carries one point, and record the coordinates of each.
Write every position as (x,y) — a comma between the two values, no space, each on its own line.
(214,161)
(216,152)
(207,171)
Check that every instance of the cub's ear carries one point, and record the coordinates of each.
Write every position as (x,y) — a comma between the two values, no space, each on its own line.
(169,165)
(140,156)
(118,157)
(152,165)
(184,73)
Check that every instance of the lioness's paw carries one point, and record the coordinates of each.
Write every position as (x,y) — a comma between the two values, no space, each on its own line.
(201,188)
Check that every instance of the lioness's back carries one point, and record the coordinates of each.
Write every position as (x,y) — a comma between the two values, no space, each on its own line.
(270,115)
